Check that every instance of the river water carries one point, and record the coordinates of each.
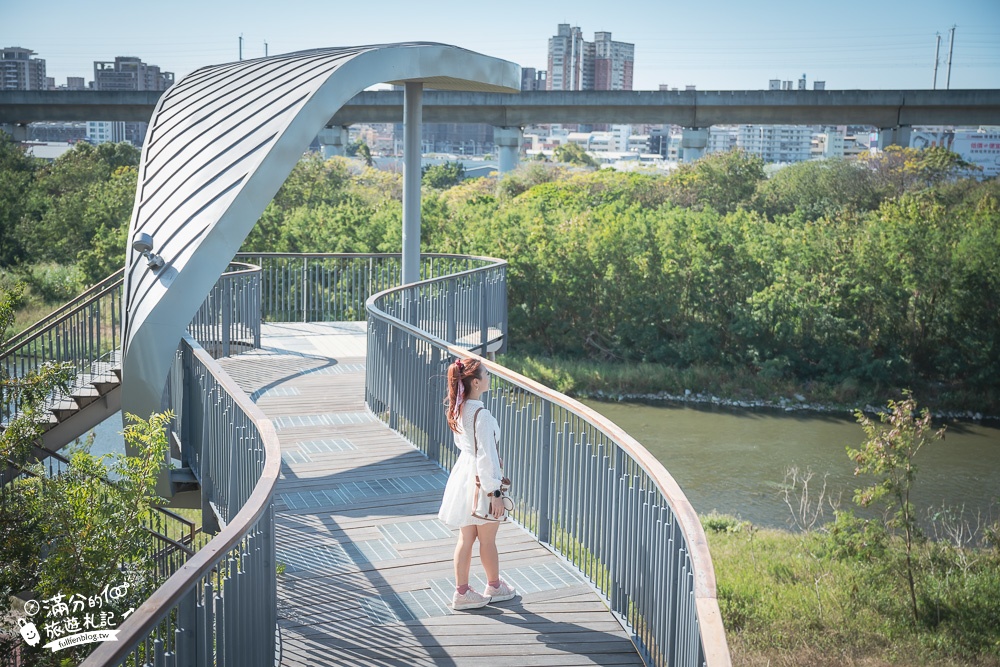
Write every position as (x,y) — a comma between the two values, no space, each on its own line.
(733,461)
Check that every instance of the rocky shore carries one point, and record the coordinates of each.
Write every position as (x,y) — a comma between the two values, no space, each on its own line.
(797,403)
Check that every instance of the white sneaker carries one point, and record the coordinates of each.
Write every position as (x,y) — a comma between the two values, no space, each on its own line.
(501,593)
(471,600)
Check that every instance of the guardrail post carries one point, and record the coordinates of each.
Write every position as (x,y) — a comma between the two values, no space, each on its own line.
(545,487)
(305,289)
(391,403)
(227,315)
(451,308)
(484,323)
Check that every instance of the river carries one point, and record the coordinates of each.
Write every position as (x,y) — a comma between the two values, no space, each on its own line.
(733,461)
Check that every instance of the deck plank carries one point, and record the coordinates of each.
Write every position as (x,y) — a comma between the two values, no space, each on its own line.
(368,566)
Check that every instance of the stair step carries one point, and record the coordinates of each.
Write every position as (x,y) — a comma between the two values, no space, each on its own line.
(105,383)
(84,396)
(118,372)
(47,420)
(64,409)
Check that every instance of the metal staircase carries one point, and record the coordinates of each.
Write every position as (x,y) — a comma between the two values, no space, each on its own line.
(85,335)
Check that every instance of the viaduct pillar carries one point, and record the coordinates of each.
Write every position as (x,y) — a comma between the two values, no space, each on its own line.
(894,136)
(18,131)
(334,141)
(508,144)
(694,140)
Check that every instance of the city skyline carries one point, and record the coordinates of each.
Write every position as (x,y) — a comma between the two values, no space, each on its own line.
(736,46)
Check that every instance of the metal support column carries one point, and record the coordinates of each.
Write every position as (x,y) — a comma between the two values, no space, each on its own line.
(412,113)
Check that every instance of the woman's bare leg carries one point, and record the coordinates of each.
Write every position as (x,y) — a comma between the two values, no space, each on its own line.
(488,550)
(463,554)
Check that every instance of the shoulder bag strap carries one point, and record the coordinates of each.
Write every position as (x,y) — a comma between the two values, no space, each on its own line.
(475,440)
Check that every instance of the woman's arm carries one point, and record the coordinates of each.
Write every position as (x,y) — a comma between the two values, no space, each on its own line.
(487,457)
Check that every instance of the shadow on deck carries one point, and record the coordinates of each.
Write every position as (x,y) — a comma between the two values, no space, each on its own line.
(368,567)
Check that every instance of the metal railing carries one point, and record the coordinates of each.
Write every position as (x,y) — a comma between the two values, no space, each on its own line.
(221,608)
(229,318)
(334,287)
(581,485)
(85,333)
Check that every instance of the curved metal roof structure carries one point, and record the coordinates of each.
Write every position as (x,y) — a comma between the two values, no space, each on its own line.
(220,143)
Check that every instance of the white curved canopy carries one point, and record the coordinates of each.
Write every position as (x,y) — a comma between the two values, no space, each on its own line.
(220,143)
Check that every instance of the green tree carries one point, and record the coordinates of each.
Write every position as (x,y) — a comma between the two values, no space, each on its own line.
(57,223)
(573,154)
(78,531)
(723,181)
(888,455)
(108,212)
(817,189)
(443,176)
(365,153)
(17,172)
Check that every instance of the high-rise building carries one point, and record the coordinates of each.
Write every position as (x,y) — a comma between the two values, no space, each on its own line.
(576,64)
(565,59)
(19,71)
(613,63)
(532,79)
(130,73)
(125,73)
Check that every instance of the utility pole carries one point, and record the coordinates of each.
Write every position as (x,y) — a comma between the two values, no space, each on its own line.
(951,47)
(241,46)
(937,58)
(265,49)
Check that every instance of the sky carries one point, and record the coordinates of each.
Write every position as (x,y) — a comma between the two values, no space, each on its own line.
(714,44)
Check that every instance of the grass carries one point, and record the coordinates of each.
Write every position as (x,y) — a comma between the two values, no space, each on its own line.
(787,599)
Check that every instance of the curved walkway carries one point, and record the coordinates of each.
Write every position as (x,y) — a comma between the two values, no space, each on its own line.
(368,567)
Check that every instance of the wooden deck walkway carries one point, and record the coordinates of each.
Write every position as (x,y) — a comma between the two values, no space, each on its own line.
(368,575)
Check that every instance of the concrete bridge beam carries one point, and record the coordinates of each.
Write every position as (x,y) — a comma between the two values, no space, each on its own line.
(334,141)
(508,144)
(694,140)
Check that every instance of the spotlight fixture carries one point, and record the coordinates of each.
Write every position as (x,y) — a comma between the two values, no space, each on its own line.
(143,243)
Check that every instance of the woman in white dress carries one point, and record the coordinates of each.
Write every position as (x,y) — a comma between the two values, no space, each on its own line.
(467,380)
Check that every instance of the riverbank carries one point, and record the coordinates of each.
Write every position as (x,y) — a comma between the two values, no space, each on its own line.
(740,389)
(824,598)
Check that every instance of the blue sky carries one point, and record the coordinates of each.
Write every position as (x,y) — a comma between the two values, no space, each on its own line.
(715,45)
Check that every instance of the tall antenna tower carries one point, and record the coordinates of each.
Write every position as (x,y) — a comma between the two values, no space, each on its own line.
(951,47)
(937,58)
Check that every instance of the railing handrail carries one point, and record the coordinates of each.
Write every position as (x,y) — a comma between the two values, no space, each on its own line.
(709,617)
(63,312)
(145,619)
(354,255)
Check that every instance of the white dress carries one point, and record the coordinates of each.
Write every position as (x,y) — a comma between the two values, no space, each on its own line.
(456,505)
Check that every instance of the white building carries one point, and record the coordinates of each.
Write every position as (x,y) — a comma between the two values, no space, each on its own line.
(104,131)
(722,138)
(828,144)
(776,143)
(19,71)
